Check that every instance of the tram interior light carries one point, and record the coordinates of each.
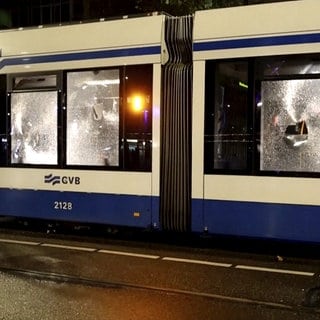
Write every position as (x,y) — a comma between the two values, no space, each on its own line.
(138,102)
(243,85)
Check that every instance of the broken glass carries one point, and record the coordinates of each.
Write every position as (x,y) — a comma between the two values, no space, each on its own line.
(34,127)
(290,127)
(93,118)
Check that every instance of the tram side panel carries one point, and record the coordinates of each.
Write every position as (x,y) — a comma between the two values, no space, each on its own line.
(82,123)
(259,175)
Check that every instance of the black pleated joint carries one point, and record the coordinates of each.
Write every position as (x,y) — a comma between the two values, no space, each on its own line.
(176,110)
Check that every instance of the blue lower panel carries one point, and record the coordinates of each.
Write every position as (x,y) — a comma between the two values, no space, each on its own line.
(263,220)
(197,224)
(124,210)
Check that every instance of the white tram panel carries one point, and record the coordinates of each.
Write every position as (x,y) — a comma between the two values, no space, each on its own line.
(262,189)
(104,43)
(233,32)
(108,182)
(139,38)
(247,22)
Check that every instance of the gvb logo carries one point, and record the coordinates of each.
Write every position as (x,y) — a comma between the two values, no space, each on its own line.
(51,179)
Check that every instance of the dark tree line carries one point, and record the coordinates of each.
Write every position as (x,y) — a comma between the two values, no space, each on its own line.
(17,13)
(96,8)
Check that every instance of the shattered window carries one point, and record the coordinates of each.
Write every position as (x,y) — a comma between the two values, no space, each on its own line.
(34,127)
(262,115)
(290,128)
(93,118)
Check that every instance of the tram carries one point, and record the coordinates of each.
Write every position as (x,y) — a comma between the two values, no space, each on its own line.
(207,123)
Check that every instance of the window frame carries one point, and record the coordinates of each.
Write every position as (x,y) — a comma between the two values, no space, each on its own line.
(12,89)
(254,81)
(143,138)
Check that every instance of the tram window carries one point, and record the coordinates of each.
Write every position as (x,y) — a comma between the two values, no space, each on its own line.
(273,67)
(227,136)
(27,82)
(137,124)
(34,127)
(93,117)
(290,128)
(288,88)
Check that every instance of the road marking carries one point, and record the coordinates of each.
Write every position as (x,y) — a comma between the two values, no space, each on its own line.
(203,262)
(155,257)
(51,245)
(130,254)
(31,243)
(274,270)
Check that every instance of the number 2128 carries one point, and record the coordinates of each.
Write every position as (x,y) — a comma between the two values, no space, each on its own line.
(62,205)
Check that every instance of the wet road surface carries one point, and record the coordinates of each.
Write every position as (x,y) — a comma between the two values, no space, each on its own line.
(43,278)
(23,298)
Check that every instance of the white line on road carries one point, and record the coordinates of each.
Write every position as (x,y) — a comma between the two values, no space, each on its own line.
(155,257)
(274,270)
(30,243)
(51,245)
(130,254)
(203,262)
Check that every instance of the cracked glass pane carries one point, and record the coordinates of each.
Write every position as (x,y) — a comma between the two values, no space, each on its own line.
(34,127)
(290,126)
(93,118)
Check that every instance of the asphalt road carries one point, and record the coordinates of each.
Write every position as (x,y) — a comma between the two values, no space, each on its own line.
(51,278)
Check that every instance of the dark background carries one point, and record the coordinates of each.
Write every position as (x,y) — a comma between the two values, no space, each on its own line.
(24,13)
